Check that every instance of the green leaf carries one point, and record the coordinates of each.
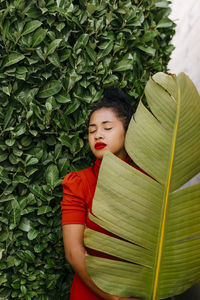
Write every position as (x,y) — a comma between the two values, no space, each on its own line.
(33,132)
(58,151)
(25,225)
(26,255)
(163,4)
(44,210)
(27,95)
(60,26)
(23,290)
(110,80)
(41,55)
(4,220)
(31,161)
(14,160)
(147,50)
(164,23)
(32,278)
(21,73)
(33,12)
(11,261)
(48,106)
(54,59)
(123,65)
(19,130)
(51,140)
(72,107)
(3,156)
(31,172)
(52,175)
(92,54)
(20,179)
(2,280)
(10,142)
(12,59)
(15,216)
(50,89)
(82,41)
(52,46)
(63,165)
(39,248)
(38,37)
(38,192)
(164,141)
(26,141)
(7,89)
(7,198)
(3,236)
(91,8)
(106,49)
(65,140)
(32,234)
(17,152)
(63,97)
(31,26)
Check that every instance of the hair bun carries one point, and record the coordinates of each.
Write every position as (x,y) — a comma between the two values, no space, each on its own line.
(120,102)
(115,94)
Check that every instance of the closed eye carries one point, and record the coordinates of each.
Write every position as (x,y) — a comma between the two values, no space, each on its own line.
(93,131)
(108,128)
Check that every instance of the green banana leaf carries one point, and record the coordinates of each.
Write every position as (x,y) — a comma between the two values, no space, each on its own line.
(155,224)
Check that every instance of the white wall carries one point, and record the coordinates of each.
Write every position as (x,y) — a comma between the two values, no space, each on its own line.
(186,56)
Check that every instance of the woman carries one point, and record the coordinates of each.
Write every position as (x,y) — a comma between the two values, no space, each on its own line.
(108,123)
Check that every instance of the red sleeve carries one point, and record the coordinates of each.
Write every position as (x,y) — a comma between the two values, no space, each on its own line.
(73,205)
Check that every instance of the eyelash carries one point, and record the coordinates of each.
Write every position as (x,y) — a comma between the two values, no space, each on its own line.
(104,129)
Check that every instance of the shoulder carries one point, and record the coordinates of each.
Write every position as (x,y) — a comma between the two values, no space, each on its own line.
(76,183)
(77,176)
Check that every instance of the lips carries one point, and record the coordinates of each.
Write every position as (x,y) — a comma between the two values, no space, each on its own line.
(100,145)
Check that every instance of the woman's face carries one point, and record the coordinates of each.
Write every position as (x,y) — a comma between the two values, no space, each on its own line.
(106,132)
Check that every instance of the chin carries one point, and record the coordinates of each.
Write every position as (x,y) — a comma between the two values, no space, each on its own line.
(98,155)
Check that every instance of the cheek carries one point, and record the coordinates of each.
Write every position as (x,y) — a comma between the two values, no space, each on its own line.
(117,140)
(121,142)
(120,135)
(123,137)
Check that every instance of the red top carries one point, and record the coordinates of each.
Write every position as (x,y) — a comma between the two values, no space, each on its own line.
(78,192)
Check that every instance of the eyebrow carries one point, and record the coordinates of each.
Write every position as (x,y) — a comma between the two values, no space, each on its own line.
(104,122)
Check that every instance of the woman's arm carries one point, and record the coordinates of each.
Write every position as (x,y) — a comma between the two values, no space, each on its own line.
(75,252)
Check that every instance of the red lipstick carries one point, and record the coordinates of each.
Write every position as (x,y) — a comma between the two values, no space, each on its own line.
(100,145)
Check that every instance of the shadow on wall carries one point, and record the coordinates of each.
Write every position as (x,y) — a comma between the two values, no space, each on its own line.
(192,294)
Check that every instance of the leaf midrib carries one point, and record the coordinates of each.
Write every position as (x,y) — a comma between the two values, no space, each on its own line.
(158,257)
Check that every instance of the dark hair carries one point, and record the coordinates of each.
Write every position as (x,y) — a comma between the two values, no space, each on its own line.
(119,102)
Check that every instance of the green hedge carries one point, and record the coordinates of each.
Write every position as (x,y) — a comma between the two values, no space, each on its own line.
(54,63)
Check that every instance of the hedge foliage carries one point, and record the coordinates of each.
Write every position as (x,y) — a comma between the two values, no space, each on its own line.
(55,61)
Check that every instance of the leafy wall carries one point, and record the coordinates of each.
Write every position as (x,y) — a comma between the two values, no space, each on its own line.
(54,63)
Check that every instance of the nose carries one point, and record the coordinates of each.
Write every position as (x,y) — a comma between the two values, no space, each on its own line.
(98,134)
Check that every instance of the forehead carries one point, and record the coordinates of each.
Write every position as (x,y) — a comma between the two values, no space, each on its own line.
(104,114)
